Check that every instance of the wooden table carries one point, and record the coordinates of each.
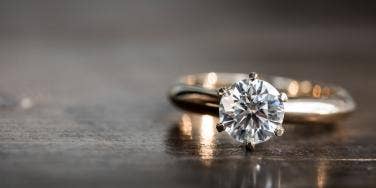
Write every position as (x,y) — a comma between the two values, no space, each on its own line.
(83,93)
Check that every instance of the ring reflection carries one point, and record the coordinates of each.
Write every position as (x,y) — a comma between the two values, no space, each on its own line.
(195,136)
(199,129)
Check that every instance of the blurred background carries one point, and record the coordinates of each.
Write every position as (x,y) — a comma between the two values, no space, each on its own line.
(83,92)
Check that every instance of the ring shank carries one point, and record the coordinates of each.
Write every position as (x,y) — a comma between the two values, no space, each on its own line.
(309,102)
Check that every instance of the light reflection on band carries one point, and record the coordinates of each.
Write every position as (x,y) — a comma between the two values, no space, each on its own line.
(318,107)
(293,89)
(210,80)
(306,88)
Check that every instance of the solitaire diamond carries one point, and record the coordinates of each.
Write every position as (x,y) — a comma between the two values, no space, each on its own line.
(251,111)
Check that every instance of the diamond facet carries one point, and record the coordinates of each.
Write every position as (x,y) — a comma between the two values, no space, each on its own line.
(250,111)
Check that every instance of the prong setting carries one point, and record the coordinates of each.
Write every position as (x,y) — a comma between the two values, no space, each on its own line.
(250,146)
(221,91)
(233,106)
(220,127)
(279,131)
(283,97)
(253,76)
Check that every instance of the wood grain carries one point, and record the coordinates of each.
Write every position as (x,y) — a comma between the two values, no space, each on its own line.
(83,93)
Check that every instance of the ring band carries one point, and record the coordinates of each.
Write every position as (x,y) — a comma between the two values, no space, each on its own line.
(309,102)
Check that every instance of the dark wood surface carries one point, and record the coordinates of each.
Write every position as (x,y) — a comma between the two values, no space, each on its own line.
(83,93)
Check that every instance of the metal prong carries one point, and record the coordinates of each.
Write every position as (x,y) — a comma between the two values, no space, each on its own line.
(283,97)
(253,76)
(220,127)
(221,91)
(279,131)
(250,146)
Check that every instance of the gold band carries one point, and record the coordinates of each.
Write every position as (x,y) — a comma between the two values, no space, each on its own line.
(309,102)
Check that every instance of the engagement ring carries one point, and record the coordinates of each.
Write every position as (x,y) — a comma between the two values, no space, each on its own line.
(252,108)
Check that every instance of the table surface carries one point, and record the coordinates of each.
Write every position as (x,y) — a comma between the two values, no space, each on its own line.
(83,93)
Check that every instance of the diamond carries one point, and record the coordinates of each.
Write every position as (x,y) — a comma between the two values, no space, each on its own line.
(251,111)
